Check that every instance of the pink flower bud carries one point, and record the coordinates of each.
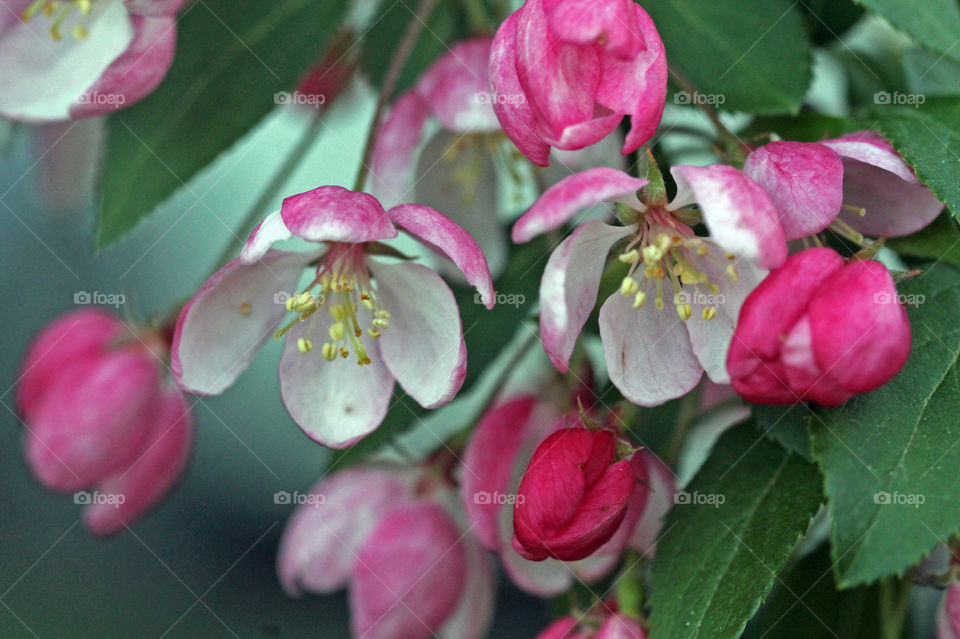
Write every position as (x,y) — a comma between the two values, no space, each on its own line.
(948,615)
(615,626)
(573,497)
(819,329)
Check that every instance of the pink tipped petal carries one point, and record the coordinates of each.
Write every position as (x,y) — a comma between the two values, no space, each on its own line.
(580,134)
(409,575)
(323,536)
(948,613)
(660,490)
(474,613)
(568,290)
(562,201)
(621,627)
(457,89)
(270,230)
(336,403)
(803,374)
(158,466)
(394,158)
(443,235)
(336,214)
(805,181)
(136,73)
(154,7)
(565,628)
(510,103)
(648,352)
(423,347)
(585,22)
(741,217)
(546,578)
(227,320)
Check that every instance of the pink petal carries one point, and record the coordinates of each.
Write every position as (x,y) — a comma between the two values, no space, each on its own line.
(336,403)
(72,337)
(876,178)
(227,320)
(394,158)
(409,575)
(336,214)
(88,423)
(948,613)
(423,348)
(136,73)
(472,618)
(568,290)
(154,7)
(585,22)
(803,374)
(621,627)
(562,201)
(660,480)
(269,231)
(805,181)
(565,628)
(456,88)
(320,543)
(648,351)
(155,470)
(511,106)
(741,217)
(441,234)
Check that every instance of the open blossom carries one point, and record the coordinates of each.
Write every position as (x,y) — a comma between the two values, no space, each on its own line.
(63,59)
(566,72)
(573,496)
(494,460)
(373,322)
(859,178)
(389,534)
(819,329)
(614,626)
(100,417)
(653,355)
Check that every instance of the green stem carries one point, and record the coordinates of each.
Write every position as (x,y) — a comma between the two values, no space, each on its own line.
(686,414)
(477,16)
(894,605)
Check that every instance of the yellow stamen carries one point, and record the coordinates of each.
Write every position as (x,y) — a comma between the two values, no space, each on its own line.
(684,311)
(337,331)
(630,257)
(304,345)
(709,313)
(374,333)
(732,273)
(640,299)
(628,286)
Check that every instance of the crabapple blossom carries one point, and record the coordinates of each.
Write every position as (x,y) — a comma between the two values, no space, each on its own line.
(820,329)
(653,355)
(68,59)
(948,614)
(391,535)
(99,415)
(374,322)
(564,74)
(614,626)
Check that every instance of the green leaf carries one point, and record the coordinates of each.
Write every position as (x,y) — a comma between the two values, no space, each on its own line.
(806,127)
(786,425)
(715,564)
(829,19)
(934,24)
(928,137)
(232,57)
(753,53)
(939,241)
(898,444)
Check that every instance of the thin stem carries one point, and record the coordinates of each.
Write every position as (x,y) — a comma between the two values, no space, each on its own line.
(894,605)
(686,413)
(393,74)
(280,176)
(736,144)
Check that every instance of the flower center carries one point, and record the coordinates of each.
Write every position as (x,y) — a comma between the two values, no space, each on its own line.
(666,250)
(342,286)
(58,12)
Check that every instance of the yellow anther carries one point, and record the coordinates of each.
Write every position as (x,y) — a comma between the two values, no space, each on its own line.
(630,257)
(709,313)
(655,272)
(732,273)
(329,351)
(628,286)
(304,345)
(703,250)
(658,303)
(338,312)
(639,299)
(665,242)
(325,282)
(344,353)
(289,303)
(374,333)
(652,254)
(367,303)
(690,276)
(364,361)
(381,323)
(337,331)
(357,331)
(245,309)
(684,311)
(730,256)
(79,32)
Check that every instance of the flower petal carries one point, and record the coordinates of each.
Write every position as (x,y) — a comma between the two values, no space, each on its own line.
(456,88)
(270,230)
(423,347)
(394,158)
(648,352)
(472,618)
(948,613)
(562,201)
(443,235)
(154,7)
(805,181)
(661,487)
(319,546)
(584,22)
(226,321)
(741,217)
(409,575)
(336,214)
(621,627)
(568,290)
(510,104)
